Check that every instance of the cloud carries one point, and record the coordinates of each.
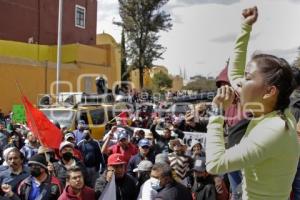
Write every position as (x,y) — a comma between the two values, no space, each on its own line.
(198,2)
(107,10)
(230,38)
(285,53)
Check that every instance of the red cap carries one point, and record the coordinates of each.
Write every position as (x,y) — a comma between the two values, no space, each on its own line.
(116,159)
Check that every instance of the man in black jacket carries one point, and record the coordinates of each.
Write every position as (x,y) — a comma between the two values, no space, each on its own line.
(162,141)
(125,184)
(92,156)
(166,186)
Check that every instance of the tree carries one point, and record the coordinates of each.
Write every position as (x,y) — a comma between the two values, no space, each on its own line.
(124,68)
(200,83)
(296,63)
(142,20)
(161,80)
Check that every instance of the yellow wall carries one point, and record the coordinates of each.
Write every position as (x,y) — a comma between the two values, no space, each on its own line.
(177,83)
(34,67)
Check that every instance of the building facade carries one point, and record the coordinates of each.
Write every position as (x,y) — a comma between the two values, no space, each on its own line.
(35,21)
(33,66)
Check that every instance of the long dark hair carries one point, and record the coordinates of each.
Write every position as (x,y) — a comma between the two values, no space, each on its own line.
(277,72)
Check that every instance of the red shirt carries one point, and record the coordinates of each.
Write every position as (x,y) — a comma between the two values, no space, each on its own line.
(130,151)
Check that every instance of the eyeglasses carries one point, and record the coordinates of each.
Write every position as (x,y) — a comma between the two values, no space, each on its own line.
(145,147)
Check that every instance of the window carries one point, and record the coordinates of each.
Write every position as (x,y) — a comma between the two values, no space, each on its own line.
(79,16)
(82,115)
(97,116)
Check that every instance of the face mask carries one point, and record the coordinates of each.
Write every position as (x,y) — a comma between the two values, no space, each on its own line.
(67,156)
(155,183)
(35,172)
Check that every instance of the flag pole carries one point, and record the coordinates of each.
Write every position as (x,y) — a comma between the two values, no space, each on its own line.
(33,121)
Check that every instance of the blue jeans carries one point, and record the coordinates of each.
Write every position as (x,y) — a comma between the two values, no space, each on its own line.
(296,184)
(235,179)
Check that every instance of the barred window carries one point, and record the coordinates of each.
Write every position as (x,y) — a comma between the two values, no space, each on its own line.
(80,16)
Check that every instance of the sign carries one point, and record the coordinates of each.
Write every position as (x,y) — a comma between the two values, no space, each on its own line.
(18,114)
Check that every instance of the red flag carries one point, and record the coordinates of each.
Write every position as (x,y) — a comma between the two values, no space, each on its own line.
(48,134)
(123,117)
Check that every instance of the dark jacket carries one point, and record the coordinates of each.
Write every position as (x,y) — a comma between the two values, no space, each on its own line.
(10,178)
(60,171)
(161,142)
(125,188)
(91,153)
(86,194)
(174,191)
(50,189)
(136,159)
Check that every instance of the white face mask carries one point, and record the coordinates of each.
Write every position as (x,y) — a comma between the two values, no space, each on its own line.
(155,183)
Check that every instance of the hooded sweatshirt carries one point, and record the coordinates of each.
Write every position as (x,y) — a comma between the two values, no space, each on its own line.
(86,194)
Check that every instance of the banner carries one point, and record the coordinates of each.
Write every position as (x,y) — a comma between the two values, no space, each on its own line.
(18,114)
(188,136)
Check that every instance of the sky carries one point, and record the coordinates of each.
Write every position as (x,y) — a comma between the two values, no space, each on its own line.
(204,31)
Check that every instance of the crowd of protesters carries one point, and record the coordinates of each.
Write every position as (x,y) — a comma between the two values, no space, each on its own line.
(139,162)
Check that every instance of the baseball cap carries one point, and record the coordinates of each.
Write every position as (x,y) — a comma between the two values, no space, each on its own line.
(161,158)
(69,135)
(81,122)
(116,159)
(200,165)
(122,134)
(144,142)
(144,165)
(65,144)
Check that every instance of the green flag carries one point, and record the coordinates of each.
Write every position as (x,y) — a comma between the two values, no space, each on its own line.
(19,114)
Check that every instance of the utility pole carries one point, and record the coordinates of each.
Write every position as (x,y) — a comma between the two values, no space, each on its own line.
(59,31)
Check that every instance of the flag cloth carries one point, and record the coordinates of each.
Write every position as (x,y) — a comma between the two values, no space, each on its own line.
(123,117)
(109,191)
(47,133)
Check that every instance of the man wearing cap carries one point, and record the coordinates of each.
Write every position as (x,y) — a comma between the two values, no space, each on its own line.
(92,156)
(144,171)
(207,186)
(123,147)
(16,171)
(125,184)
(71,138)
(66,152)
(143,154)
(39,185)
(79,132)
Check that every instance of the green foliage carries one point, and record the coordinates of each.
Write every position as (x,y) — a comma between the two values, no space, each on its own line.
(161,81)
(296,63)
(141,21)
(201,83)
